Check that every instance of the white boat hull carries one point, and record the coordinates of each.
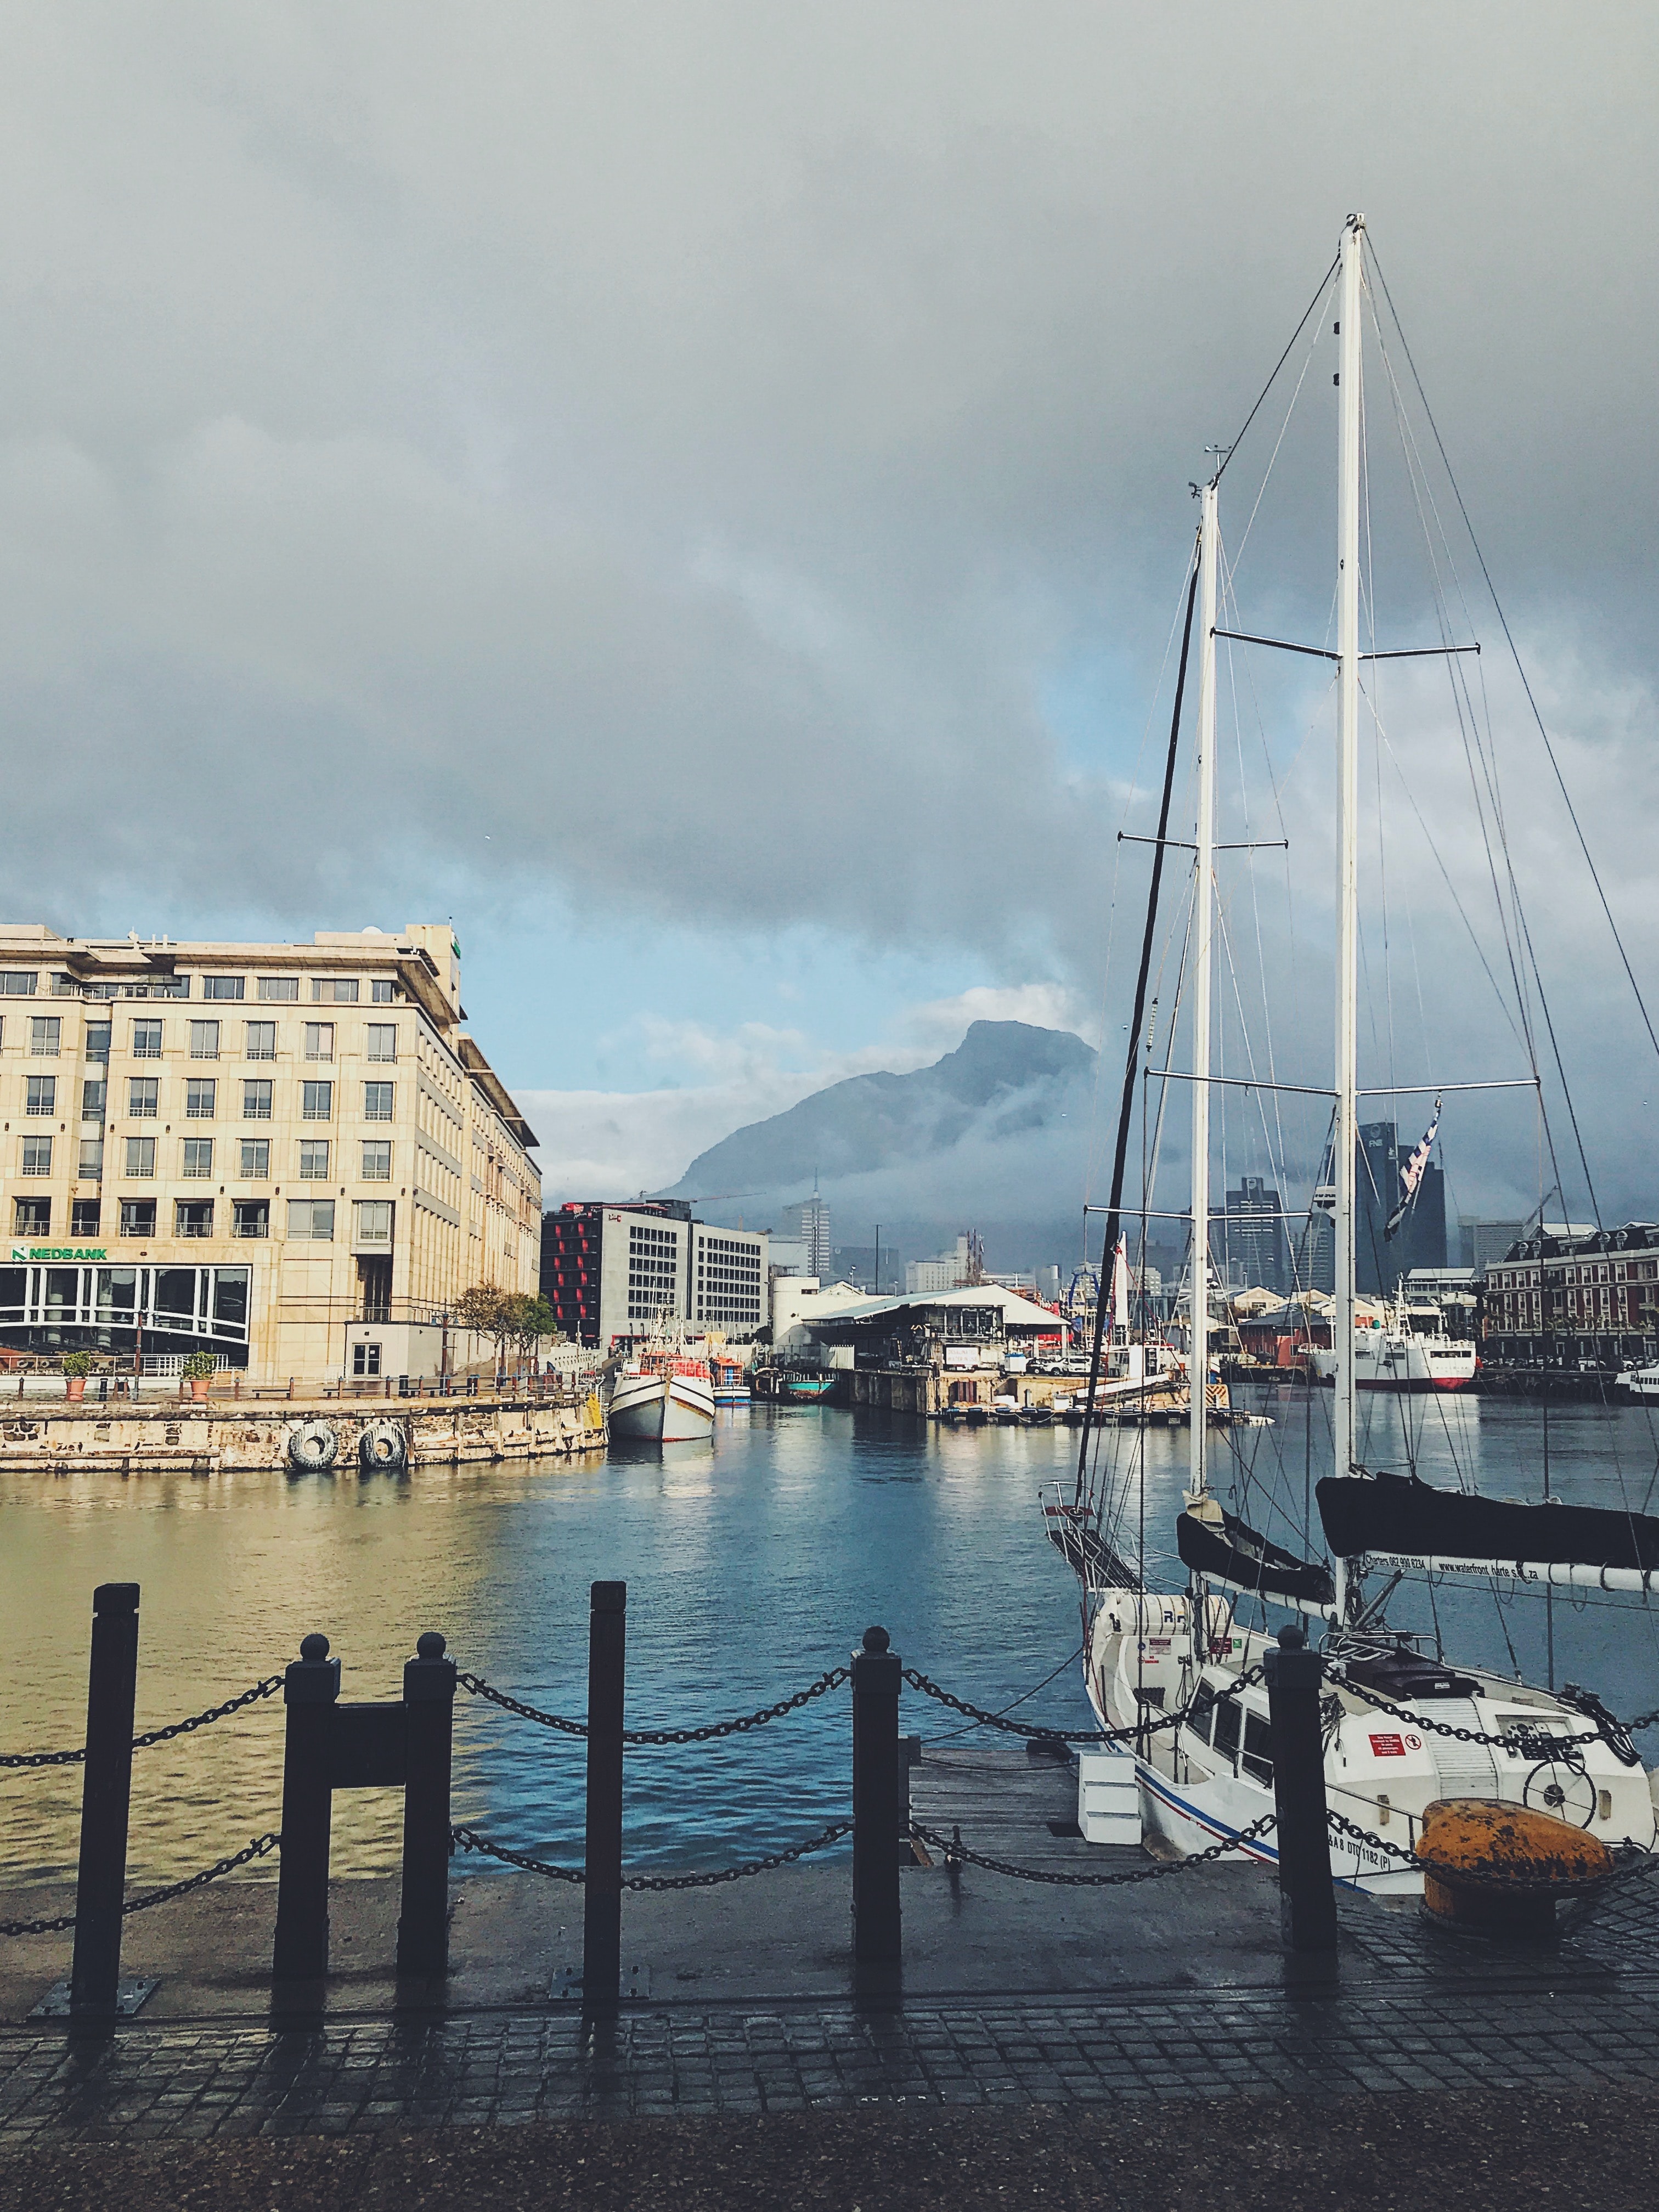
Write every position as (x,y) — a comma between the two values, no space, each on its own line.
(1384,1359)
(664,1409)
(1381,1772)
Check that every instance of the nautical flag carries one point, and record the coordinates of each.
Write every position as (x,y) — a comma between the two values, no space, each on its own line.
(1411,1175)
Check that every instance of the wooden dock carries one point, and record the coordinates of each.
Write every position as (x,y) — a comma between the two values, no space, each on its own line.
(1009,1804)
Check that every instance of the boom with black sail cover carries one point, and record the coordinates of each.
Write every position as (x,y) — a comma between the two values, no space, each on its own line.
(1228,1551)
(1397,1521)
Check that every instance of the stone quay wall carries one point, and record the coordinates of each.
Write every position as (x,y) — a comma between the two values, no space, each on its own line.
(215,1437)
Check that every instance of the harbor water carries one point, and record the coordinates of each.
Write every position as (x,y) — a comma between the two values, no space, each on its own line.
(752,1567)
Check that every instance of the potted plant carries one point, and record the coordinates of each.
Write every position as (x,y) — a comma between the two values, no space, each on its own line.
(198,1373)
(77,1366)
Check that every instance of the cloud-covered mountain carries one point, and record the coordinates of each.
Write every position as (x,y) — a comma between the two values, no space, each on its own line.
(994,1135)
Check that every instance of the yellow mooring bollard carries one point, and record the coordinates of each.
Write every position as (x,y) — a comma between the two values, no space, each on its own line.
(1497,1868)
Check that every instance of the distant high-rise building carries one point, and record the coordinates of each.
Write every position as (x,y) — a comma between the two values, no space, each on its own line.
(1254,1241)
(809,1225)
(1479,1242)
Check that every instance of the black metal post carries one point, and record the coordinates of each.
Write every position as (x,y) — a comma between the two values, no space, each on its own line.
(607,1645)
(1307,1895)
(876,1674)
(311,1690)
(106,1793)
(430,1713)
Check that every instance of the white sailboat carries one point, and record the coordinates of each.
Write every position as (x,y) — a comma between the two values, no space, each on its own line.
(1148,1655)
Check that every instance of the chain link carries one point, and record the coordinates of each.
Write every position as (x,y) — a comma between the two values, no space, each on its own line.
(1526,1742)
(468,1839)
(709,1733)
(955,1849)
(268,1688)
(1027,1728)
(256,1850)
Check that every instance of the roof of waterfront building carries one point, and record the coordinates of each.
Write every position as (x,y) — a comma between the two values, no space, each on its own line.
(1016,1312)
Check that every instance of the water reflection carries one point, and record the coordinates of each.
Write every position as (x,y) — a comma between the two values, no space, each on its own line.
(751,1566)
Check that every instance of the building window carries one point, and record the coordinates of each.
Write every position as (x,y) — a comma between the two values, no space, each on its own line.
(144,1096)
(98,1040)
(377,1101)
(85,1214)
(382,991)
(137,1216)
(279,988)
(250,1216)
(19,983)
(37,1156)
(377,1162)
(192,1217)
(256,1159)
(94,1093)
(372,1221)
(204,1040)
(147,1040)
(141,1156)
(222,987)
(201,1092)
(365,1358)
(311,1220)
(261,1040)
(198,1156)
(383,1041)
(316,1102)
(256,1100)
(92,1158)
(319,1040)
(314,1159)
(31,1216)
(335,990)
(40,1096)
(46,1030)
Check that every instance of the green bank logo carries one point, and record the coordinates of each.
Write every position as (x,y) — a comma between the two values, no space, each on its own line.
(26,1252)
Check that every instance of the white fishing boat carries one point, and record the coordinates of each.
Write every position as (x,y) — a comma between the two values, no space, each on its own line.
(1403,1728)
(665,1395)
(1409,1349)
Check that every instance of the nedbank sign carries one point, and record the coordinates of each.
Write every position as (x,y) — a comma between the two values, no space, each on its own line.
(25,1252)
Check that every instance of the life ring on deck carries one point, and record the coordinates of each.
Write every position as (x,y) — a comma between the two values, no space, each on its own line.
(313,1446)
(383,1447)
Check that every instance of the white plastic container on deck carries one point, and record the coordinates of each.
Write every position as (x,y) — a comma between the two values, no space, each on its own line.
(1108,1798)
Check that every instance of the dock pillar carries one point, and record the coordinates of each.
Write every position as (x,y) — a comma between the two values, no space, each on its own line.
(607,1645)
(1307,1895)
(106,1796)
(430,1715)
(877,1675)
(311,1690)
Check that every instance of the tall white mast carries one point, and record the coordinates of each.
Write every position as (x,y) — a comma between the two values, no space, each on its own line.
(1347,866)
(1198,1366)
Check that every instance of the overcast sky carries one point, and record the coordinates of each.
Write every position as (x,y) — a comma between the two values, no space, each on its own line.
(698,492)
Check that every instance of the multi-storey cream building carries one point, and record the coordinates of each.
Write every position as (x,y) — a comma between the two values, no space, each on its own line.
(291,1155)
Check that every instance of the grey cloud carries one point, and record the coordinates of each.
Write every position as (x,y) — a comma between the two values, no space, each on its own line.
(681,443)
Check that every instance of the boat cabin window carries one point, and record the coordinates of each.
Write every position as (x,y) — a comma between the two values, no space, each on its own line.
(1198,1720)
(1258,1748)
(1226,1726)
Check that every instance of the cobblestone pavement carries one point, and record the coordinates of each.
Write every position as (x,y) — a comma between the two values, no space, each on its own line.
(1414,2011)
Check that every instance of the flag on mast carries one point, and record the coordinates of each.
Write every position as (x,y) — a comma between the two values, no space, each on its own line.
(1411,1175)
(1121,1285)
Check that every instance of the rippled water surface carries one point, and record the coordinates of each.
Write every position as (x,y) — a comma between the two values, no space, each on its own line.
(750,1567)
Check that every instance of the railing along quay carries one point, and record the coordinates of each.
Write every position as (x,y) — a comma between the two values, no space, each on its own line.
(331,1744)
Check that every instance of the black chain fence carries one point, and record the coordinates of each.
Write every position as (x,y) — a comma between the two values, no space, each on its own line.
(469,1839)
(1033,1732)
(955,1850)
(268,1688)
(1534,1880)
(256,1850)
(709,1732)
